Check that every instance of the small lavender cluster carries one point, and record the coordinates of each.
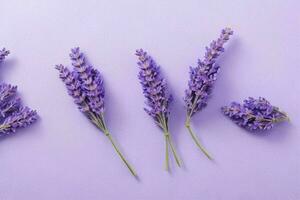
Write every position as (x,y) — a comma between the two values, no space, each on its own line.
(204,75)
(84,84)
(12,114)
(254,114)
(154,87)
(3,54)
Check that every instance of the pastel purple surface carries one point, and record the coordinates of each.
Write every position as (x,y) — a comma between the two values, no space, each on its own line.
(63,156)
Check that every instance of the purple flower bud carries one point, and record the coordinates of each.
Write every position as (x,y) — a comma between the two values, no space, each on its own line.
(8,100)
(21,118)
(3,54)
(6,92)
(10,106)
(254,114)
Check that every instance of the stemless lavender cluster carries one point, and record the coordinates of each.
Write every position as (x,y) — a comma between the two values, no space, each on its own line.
(13,115)
(157,98)
(254,114)
(85,84)
(204,75)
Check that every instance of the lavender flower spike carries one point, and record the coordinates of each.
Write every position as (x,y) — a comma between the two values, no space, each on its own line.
(85,85)
(157,98)
(3,54)
(255,114)
(201,81)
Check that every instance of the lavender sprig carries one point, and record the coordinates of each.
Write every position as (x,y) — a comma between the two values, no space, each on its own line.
(202,79)
(3,54)
(85,85)
(254,114)
(157,98)
(13,114)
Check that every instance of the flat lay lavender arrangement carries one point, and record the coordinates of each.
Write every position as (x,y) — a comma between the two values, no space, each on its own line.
(149,100)
(13,114)
(85,84)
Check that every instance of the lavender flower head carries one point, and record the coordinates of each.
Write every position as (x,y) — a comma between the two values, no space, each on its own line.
(154,88)
(254,114)
(157,98)
(85,85)
(3,54)
(13,114)
(202,79)
(204,75)
(92,82)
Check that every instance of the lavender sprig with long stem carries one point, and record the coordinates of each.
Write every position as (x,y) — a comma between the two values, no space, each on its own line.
(157,98)
(202,79)
(255,114)
(85,85)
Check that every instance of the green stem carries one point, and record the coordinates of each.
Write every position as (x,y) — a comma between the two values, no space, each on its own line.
(188,126)
(164,126)
(167,154)
(120,154)
(169,140)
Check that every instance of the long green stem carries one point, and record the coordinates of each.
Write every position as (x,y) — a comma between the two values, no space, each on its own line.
(167,154)
(120,154)
(188,126)
(173,150)
(164,126)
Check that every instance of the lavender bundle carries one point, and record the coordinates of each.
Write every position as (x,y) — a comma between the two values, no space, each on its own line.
(255,114)
(202,79)
(13,115)
(157,98)
(85,85)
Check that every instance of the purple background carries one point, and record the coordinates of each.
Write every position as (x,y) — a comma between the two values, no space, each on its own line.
(64,157)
